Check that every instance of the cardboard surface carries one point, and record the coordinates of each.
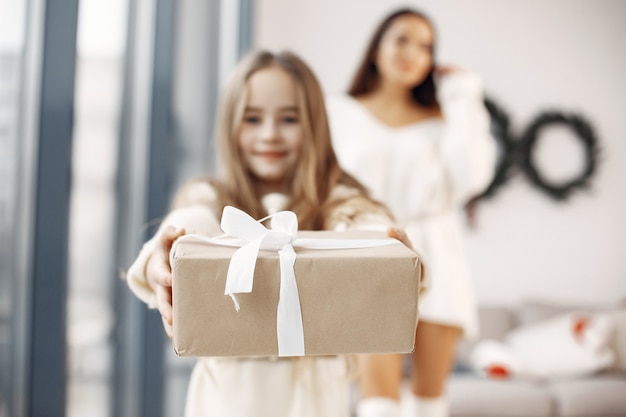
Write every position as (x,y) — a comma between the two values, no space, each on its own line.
(353,300)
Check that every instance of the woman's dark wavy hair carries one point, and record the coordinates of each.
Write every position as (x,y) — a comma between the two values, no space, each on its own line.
(367,74)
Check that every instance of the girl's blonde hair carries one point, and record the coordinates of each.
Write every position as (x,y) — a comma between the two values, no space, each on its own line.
(317,170)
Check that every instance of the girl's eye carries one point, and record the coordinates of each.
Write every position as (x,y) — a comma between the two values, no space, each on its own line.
(290,119)
(251,119)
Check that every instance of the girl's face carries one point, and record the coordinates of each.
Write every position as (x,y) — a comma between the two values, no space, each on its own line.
(405,52)
(271,134)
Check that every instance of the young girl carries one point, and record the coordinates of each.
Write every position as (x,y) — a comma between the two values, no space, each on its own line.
(275,152)
(418,137)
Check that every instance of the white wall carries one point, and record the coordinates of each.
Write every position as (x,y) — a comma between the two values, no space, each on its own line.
(533,55)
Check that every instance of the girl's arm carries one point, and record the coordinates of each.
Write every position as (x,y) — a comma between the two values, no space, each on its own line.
(149,277)
(352,210)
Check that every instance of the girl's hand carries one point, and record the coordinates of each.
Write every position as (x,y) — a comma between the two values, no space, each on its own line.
(401,235)
(159,274)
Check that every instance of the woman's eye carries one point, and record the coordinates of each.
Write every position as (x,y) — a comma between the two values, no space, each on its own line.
(401,40)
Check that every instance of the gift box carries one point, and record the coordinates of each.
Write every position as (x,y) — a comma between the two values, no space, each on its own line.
(346,301)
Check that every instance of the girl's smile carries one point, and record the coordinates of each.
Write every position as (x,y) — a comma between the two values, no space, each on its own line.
(271,154)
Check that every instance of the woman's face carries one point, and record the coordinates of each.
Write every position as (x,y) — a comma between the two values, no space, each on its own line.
(271,134)
(405,52)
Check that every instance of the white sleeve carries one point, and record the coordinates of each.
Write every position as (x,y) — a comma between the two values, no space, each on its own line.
(356,212)
(197,219)
(467,148)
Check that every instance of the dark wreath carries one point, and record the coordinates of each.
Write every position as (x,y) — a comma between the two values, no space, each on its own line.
(584,133)
(507,146)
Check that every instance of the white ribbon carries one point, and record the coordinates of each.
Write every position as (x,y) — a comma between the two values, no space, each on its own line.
(250,236)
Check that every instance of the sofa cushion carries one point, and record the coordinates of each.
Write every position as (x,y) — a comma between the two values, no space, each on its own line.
(472,395)
(601,396)
(495,322)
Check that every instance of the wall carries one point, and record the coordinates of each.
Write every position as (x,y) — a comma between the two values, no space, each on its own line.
(533,55)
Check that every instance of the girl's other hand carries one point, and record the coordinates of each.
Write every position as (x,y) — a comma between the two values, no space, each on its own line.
(401,235)
(159,274)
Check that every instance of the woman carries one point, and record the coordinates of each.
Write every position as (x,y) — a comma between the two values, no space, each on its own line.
(417,136)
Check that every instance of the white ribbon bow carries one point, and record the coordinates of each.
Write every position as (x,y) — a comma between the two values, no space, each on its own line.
(250,236)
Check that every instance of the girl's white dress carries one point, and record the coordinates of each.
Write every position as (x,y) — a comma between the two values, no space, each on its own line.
(262,387)
(425,172)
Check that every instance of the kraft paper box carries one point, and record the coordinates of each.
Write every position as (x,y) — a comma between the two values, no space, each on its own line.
(352,300)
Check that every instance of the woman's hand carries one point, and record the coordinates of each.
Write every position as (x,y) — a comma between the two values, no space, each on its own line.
(159,274)
(443,70)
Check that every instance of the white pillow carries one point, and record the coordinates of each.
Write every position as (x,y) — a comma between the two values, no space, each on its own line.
(494,359)
(569,345)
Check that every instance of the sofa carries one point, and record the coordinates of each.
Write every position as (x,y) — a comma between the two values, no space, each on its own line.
(601,393)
